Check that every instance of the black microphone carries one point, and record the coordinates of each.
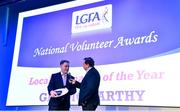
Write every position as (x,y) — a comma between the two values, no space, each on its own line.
(71,78)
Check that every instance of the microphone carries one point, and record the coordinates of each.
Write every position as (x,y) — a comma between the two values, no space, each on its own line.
(71,78)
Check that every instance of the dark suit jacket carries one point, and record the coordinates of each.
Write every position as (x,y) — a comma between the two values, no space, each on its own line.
(56,82)
(89,88)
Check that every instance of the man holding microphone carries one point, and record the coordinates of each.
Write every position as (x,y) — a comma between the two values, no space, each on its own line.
(61,80)
(89,87)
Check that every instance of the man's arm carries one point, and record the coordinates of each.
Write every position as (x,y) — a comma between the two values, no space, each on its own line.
(72,88)
(77,84)
(51,87)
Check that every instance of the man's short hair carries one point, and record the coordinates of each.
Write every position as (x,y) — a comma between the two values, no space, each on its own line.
(64,61)
(90,61)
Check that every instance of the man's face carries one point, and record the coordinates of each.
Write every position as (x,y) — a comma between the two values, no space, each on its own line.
(85,66)
(64,68)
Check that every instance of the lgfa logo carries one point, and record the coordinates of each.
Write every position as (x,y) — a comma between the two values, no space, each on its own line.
(92,19)
(87,18)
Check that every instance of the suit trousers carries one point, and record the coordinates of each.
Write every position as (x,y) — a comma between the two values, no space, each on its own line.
(58,108)
(89,107)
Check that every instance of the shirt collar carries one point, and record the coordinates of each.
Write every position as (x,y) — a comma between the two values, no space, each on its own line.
(88,69)
(63,74)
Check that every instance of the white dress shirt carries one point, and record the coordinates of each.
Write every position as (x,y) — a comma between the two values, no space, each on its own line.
(64,77)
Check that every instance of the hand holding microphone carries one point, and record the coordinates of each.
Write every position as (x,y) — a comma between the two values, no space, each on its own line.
(71,79)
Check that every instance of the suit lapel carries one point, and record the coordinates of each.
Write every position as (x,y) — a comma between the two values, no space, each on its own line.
(59,79)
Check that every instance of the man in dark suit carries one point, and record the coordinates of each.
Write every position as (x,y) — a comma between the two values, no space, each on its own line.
(61,80)
(88,96)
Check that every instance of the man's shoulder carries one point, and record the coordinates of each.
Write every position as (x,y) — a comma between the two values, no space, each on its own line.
(93,69)
(55,74)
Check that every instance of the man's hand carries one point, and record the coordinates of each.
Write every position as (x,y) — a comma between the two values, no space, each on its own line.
(72,81)
(84,103)
(53,94)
